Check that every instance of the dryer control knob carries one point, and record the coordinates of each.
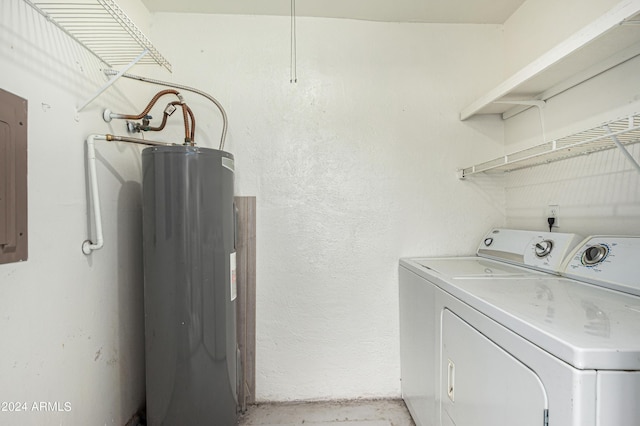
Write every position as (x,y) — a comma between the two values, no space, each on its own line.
(595,254)
(543,248)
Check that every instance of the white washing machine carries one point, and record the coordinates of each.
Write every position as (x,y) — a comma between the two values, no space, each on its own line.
(524,333)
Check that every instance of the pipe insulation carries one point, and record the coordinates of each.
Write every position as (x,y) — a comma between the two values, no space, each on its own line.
(88,246)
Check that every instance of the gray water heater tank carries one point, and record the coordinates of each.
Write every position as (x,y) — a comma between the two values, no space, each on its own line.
(189,286)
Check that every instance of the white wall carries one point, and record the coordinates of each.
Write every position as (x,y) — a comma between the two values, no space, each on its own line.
(538,25)
(353,167)
(599,193)
(71,325)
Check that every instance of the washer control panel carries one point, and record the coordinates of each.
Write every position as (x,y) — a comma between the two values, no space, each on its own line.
(543,248)
(609,261)
(544,251)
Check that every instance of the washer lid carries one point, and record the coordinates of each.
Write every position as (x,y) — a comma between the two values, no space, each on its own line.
(587,326)
(473,267)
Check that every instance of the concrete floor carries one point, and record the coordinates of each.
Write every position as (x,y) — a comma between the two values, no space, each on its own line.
(382,412)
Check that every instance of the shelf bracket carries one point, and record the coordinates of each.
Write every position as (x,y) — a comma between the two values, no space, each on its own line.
(536,103)
(113,79)
(622,148)
(529,102)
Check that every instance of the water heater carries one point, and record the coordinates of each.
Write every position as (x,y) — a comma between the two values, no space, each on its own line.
(189,288)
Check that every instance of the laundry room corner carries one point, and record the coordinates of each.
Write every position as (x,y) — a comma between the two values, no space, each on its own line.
(356,212)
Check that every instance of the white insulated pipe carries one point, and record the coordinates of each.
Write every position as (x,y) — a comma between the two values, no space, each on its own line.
(88,246)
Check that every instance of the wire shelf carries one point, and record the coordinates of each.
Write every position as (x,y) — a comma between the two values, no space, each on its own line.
(103,29)
(626,130)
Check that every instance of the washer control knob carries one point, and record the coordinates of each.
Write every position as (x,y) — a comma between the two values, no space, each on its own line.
(595,254)
(543,248)
(488,241)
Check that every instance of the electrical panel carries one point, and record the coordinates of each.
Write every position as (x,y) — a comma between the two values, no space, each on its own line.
(13,178)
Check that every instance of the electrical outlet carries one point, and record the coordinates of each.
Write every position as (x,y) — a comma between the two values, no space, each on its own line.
(553,210)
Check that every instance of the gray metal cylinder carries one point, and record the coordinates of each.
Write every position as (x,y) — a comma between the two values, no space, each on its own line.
(189,294)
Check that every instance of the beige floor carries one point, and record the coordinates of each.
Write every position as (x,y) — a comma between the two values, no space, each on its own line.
(383,412)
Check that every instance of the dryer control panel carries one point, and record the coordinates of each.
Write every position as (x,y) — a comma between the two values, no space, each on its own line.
(608,261)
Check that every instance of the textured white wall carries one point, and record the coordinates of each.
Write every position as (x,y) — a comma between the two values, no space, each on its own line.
(353,167)
(71,325)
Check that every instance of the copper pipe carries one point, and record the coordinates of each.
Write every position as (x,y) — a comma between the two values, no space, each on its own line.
(165,116)
(151,104)
(187,114)
(161,126)
(193,123)
(225,121)
(185,117)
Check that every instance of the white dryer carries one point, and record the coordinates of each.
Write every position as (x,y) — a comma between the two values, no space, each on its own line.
(487,342)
